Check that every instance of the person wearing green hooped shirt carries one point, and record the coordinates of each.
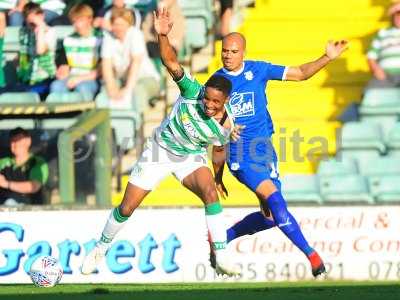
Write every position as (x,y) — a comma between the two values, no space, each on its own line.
(199,118)
(79,64)
(384,53)
(36,58)
(22,175)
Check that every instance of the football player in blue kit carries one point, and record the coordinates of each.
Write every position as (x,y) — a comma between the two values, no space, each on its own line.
(252,159)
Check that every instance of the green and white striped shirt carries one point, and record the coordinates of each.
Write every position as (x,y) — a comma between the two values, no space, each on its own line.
(83,53)
(385,48)
(34,68)
(187,129)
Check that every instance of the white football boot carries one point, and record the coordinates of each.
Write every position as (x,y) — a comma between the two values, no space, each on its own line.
(223,265)
(92,259)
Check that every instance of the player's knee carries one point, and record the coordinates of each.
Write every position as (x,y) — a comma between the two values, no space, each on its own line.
(281,216)
(279,211)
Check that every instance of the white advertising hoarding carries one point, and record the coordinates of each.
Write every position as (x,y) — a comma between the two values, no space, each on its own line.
(169,245)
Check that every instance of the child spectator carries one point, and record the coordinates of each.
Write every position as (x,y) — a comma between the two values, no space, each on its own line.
(79,61)
(36,60)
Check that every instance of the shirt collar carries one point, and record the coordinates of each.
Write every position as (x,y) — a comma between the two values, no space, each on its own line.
(234,73)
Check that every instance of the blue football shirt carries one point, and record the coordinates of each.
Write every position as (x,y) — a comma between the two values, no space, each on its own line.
(249,106)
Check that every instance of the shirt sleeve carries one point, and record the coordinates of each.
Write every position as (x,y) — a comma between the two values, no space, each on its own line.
(51,39)
(272,72)
(138,46)
(189,87)
(375,48)
(40,171)
(106,48)
(4,162)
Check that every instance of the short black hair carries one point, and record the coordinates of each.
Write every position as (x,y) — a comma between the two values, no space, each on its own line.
(220,83)
(18,131)
(33,8)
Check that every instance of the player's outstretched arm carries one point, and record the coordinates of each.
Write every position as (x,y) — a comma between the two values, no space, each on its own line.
(163,25)
(218,161)
(307,70)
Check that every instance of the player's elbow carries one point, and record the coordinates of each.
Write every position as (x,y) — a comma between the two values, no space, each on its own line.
(296,74)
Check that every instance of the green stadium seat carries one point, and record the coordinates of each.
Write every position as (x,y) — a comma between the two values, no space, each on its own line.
(198,9)
(385,189)
(62,31)
(334,167)
(381,101)
(11,39)
(19,98)
(125,122)
(57,123)
(361,141)
(345,189)
(199,18)
(381,106)
(8,124)
(301,189)
(393,140)
(362,135)
(70,97)
(380,167)
(386,122)
(196,35)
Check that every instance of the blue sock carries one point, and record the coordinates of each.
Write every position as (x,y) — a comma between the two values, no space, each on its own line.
(250,224)
(286,222)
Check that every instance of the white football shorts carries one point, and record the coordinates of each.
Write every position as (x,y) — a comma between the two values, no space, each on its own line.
(155,163)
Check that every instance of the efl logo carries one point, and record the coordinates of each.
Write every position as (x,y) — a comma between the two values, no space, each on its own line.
(242,104)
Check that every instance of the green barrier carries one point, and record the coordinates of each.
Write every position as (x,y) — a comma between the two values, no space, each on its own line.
(98,119)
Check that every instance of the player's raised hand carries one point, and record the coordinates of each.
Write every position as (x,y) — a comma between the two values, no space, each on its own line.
(162,21)
(235,135)
(336,48)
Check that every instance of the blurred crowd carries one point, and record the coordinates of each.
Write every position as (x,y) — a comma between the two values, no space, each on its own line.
(112,50)
(109,54)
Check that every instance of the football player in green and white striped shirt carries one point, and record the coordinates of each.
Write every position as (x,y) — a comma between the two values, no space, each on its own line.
(200,117)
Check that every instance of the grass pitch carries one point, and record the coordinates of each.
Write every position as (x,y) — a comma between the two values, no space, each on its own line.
(219,291)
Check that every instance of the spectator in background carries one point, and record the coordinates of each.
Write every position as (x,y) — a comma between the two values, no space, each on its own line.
(79,63)
(23,174)
(177,34)
(13,11)
(127,68)
(103,16)
(2,29)
(36,60)
(384,53)
(52,9)
(225,16)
